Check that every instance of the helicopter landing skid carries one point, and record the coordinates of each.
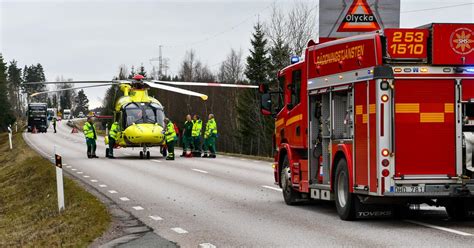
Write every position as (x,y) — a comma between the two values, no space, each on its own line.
(145,153)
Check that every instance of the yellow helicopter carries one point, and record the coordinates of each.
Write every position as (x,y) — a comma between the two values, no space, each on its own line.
(140,116)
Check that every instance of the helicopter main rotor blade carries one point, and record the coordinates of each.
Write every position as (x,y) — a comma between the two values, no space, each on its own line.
(72,88)
(79,82)
(207,84)
(177,90)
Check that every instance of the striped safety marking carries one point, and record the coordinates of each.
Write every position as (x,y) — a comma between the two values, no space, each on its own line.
(294,119)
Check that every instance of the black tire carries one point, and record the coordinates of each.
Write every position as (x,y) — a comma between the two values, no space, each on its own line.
(147,154)
(141,154)
(345,201)
(460,209)
(290,195)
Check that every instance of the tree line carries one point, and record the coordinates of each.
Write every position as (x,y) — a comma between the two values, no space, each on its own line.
(242,128)
(14,94)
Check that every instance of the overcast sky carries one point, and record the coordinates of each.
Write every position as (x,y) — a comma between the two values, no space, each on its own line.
(88,40)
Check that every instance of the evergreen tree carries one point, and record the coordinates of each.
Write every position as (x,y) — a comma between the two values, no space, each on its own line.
(14,86)
(132,73)
(252,127)
(6,112)
(35,73)
(82,103)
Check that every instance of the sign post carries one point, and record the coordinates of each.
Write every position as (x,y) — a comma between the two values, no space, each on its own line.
(10,136)
(59,180)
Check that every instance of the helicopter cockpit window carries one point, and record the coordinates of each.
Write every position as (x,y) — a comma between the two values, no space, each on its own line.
(143,113)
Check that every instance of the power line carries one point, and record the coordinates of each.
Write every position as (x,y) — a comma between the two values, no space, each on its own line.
(222,32)
(436,8)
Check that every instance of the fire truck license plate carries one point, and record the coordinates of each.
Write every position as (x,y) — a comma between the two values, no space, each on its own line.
(410,189)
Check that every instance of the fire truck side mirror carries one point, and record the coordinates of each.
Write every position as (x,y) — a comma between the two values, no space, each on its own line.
(266,104)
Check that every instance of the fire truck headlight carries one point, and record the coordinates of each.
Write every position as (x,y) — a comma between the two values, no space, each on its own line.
(384,98)
(385,152)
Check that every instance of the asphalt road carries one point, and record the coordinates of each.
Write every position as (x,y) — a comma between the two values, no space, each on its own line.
(230,201)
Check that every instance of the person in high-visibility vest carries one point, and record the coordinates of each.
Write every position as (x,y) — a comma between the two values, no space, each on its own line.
(171,138)
(187,138)
(91,137)
(196,134)
(210,136)
(114,129)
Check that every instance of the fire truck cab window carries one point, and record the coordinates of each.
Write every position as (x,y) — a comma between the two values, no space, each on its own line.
(295,88)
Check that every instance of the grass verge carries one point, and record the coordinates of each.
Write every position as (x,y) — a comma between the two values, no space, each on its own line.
(28,203)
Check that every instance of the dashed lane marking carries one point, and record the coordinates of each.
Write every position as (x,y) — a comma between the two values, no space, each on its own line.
(64,164)
(102,185)
(138,208)
(272,188)
(85,176)
(80,172)
(74,169)
(68,166)
(124,199)
(206,245)
(156,161)
(94,181)
(179,230)
(439,228)
(113,192)
(155,217)
(201,171)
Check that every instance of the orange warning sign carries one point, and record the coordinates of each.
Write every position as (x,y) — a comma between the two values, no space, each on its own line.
(359,18)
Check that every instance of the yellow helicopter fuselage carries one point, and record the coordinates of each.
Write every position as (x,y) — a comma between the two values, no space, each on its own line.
(138,131)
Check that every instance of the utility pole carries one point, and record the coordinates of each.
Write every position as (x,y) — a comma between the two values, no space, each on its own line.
(160,64)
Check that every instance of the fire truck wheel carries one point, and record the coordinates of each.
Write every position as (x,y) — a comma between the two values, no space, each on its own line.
(290,195)
(345,201)
(460,209)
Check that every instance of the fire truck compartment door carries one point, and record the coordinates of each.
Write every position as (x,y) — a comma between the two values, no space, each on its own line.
(425,131)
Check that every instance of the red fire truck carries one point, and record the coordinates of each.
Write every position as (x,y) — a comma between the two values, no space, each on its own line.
(378,121)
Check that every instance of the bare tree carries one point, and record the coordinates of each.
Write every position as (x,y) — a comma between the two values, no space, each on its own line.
(232,69)
(300,25)
(188,66)
(276,29)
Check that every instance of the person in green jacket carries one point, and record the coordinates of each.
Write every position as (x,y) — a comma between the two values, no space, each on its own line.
(196,134)
(171,138)
(210,136)
(91,137)
(113,132)
(187,138)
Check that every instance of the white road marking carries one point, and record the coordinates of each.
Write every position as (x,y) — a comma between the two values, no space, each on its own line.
(94,181)
(80,172)
(102,185)
(206,245)
(64,164)
(124,199)
(68,166)
(439,228)
(270,187)
(86,176)
(201,171)
(179,230)
(243,159)
(138,208)
(74,169)
(113,192)
(156,161)
(155,217)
